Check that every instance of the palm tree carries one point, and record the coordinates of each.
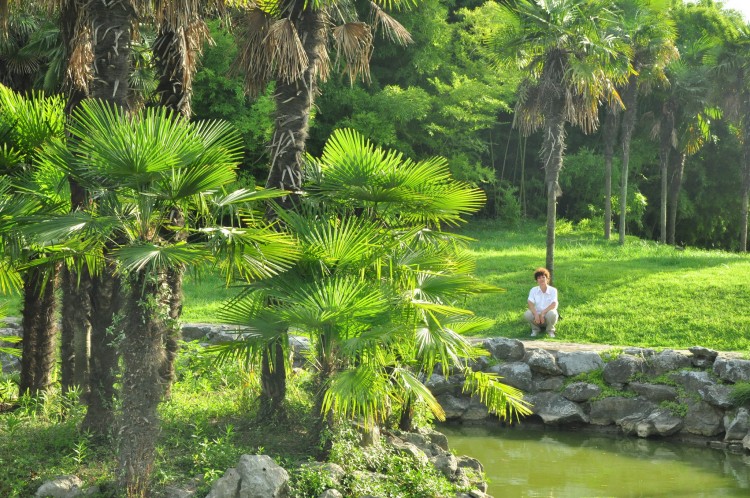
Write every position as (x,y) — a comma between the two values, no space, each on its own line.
(651,34)
(376,286)
(27,125)
(175,164)
(571,65)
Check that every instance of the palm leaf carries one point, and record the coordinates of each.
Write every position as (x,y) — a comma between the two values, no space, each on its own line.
(505,401)
(155,258)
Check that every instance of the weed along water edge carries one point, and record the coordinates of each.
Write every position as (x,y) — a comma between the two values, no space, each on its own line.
(538,462)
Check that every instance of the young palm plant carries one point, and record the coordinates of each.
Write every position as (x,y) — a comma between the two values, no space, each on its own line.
(376,286)
(141,170)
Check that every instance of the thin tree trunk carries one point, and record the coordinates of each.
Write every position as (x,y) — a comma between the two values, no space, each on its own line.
(143,354)
(674,195)
(273,379)
(553,148)
(745,193)
(39,330)
(609,132)
(106,302)
(630,99)
(665,147)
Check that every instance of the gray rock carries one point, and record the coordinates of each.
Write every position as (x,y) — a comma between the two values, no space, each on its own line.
(196,331)
(738,427)
(438,384)
(613,409)
(581,391)
(408,449)
(579,362)
(516,374)
(421,441)
(642,352)
(546,383)
(703,419)
(703,357)
(660,422)
(61,487)
(620,370)
(667,361)
(556,410)
(542,361)
(692,381)
(466,462)
(454,407)
(331,493)
(504,349)
(227,486)
(9,364)
(437,438)
(445,463)
(732,370)
(261,477)
(654,392)
(717,395)
(476,411)
(746,442)
(480,364)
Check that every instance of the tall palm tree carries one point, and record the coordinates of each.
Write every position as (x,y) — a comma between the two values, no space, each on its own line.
(650,33)
(376,286)
(572,64)
(175,164)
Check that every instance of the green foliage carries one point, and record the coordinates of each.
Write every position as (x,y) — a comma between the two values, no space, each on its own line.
(596,377)
(677,409)
(740,394)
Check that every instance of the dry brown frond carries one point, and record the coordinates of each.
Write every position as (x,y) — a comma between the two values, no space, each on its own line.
(354,43)
(79,71)
(252,59)
(393,29)
(285,51)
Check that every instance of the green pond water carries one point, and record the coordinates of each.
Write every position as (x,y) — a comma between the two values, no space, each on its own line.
(551,463)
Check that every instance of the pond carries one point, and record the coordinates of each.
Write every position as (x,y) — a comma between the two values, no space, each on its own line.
(536,462)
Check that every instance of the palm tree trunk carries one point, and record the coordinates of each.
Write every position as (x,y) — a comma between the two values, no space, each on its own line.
(273,380)
(39,330)
(143,353)
(106,302)
(674,195)
(609,132)
(112,25)
(553,148)
(630,99)
(171,50)
(75,347)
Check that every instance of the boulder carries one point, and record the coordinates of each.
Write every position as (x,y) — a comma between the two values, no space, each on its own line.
(703,419)
(667,361)
(692,381)
(654,392)
(579,362)
(703,357)
(454,406)
(61,487)
(746,442)
(642,352)
(546,383)
(227,486)
(556,410)
(732,370)
(262,477)
(467,462)
(738,427)
(476,411)
(407,449)
(660,422)
(581,391)
(446,463)
(504,349)
(619,371)
(717,395)
(613,409)
(515,374)
(542,361)
(437,384)
(9,364)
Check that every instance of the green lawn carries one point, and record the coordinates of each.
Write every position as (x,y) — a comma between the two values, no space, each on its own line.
(642,293)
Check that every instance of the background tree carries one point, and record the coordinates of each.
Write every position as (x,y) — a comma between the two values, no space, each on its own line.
(571,65)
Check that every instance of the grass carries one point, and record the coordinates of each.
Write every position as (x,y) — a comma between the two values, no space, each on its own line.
(640,294)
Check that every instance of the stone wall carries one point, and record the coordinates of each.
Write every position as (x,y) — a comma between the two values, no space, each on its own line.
(636,391)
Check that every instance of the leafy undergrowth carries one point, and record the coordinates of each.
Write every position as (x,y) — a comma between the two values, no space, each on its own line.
(211,419)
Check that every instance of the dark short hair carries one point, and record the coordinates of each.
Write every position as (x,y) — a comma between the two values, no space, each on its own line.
(541,271)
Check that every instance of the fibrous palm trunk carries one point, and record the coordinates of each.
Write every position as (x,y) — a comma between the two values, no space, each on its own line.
(39,330)
(609,132)
(75,347)
(106,302)
(143,354)
(112,25)
(294,102)
(630,100)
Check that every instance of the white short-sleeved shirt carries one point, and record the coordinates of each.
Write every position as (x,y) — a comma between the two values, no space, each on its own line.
(542,299)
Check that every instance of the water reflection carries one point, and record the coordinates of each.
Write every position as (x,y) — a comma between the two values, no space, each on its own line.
(549,463)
